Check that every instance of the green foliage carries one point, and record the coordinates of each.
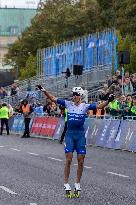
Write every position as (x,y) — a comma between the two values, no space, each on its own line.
(30,68)
(61,20)
(128,44)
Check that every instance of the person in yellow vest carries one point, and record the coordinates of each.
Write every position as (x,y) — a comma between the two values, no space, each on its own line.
(4,116)
(133,108)
(26,110)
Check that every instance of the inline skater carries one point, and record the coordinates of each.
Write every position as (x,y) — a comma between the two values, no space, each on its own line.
(75,134)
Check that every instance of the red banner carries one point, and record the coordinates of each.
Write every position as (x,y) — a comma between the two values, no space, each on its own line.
(37,125)
(49,126)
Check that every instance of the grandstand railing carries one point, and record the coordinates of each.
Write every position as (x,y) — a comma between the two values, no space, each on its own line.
(56,85)
(90,51)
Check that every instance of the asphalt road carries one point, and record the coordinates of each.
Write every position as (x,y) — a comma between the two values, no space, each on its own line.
(31,173)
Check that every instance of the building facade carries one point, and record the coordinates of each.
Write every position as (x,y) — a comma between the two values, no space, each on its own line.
(13,21)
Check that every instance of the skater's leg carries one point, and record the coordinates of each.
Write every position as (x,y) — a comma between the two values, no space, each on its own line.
(80,159)
(68,161)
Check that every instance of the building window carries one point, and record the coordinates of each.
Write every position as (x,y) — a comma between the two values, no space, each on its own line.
(13,30)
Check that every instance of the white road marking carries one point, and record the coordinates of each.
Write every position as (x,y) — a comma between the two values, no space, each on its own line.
(84,166)
(60,160)
(15,149)
(1,146)
(116,174)
(87,167)
(33,204)
(34,154)
(7,190)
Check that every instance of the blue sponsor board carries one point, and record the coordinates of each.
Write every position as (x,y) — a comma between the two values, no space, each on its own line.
(132,138)
(10,122)
(112,133)
(59,129)
(15,124)
(90,131)
(18,124)
(129,135)
(102,127)
(121,135)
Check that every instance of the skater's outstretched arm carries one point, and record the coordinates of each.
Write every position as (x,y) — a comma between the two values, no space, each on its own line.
(48,95)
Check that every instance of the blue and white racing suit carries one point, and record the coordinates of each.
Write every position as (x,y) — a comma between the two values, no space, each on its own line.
(75,135)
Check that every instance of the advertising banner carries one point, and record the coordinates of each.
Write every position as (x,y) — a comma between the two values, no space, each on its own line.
(112,133)
(37,125)
(102,129)
(49,126)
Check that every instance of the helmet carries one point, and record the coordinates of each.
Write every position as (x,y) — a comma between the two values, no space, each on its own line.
(79,90)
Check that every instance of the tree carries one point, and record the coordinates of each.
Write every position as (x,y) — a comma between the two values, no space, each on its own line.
(30,68)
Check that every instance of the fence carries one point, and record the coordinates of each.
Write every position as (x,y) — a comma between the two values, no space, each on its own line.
(107,133)
(90,51)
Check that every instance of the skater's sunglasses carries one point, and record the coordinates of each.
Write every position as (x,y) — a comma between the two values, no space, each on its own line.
(76,94)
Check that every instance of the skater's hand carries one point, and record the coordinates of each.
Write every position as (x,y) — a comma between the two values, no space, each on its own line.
(40,87)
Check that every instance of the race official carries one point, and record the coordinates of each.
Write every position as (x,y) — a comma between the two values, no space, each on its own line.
(27,111)
(4,116)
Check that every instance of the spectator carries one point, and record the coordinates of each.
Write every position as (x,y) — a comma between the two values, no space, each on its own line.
(104,93)
(54,110)
(118,75)
(109,80)
(127,86)
(100,112)
(38,110)
(29,87)
(118,90)
(13,89)
(114,79)
(10,110)
(133,109)
(129,101)
(133,81)
(114,108)
(47,107)
(123,106)
(127,75)
(3,93)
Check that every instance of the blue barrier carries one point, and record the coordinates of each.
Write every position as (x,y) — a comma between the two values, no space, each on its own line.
(101,137)
(89,51)
(130,142)
(108,133)
(112,133)
(90,131)
(18,124)
(59,129)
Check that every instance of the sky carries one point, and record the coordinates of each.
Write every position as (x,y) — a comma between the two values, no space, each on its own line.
(19,3)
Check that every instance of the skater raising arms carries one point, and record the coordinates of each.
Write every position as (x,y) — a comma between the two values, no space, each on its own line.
(75,134)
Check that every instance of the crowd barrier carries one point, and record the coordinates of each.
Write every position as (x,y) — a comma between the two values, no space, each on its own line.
(44,126)
(107,133)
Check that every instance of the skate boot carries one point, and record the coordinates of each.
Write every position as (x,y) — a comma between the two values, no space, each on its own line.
(67,188)
(77,190)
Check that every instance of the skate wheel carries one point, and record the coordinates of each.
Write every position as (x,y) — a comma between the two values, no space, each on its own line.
(69,196)
(77,194)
